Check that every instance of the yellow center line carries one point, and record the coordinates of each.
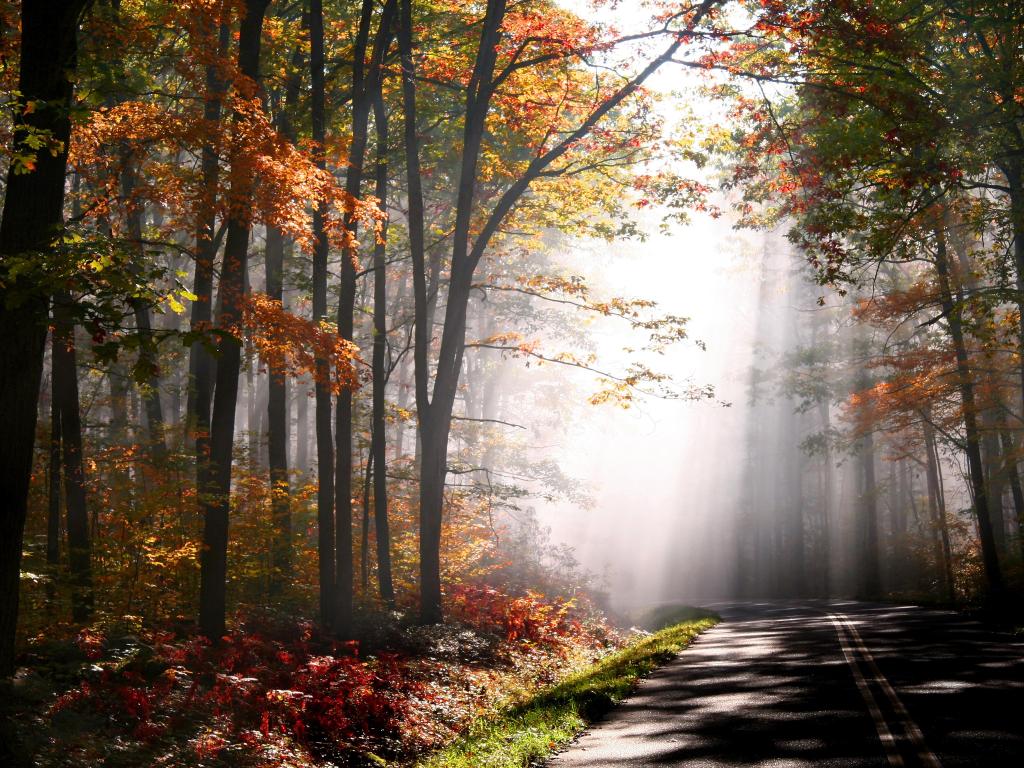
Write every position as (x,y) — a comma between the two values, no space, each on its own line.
(924,754)
(884,734)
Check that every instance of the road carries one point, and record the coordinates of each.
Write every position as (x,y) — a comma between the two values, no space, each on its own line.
(787,684)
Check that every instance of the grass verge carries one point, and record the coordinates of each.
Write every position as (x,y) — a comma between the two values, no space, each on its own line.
(535,728)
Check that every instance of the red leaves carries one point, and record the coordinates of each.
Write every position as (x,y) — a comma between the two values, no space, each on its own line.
(90,642)
(255,689)
(529,617)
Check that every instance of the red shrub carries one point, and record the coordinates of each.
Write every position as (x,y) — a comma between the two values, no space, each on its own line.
(528,617)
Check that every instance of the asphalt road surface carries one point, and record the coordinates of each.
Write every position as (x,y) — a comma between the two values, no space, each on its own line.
(823,684)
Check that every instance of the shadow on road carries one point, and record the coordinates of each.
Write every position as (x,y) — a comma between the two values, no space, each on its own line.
(770,686)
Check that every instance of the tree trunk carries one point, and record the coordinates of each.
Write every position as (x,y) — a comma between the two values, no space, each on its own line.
(216,488)
(379,429)
(870,585)
(277,432)
(1015,185)
(826,500)
(365,84)
(301,428)
(1012,472)
(976,471)
(944,555)
(200,361)
(322,417)
(53,499)
(65,384)
(148,358)
(277,390)
(992,456)
(32,217)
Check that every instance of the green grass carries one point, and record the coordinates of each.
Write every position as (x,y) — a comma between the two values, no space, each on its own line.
(554,716)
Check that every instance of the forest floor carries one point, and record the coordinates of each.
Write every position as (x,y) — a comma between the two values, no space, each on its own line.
(518,674)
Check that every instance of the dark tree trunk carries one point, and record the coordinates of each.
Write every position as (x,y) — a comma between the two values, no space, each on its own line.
(277,432)
(995,479)
(201,361)
(143,323)
(435,419)
(53,500)
(826,500)
(944,555)
(216,488)
(277,394)
(379,429)
(302,428)
(870,585)
(322,417)
(430,586)
(364,533)
(1013,473)
(365,84)
(1015,185)
(951,309)
(32,216)
(344,567)
(65,385)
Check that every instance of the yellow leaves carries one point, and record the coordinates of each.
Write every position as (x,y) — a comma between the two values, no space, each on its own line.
(158,556)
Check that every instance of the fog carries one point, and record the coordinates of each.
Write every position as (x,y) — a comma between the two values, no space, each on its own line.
(663,473)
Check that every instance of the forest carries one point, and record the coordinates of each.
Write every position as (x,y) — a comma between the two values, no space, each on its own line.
(383,381)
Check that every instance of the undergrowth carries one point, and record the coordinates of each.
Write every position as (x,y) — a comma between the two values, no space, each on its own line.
(537,726)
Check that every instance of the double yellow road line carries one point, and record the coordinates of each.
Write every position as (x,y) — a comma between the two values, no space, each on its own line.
(857,654)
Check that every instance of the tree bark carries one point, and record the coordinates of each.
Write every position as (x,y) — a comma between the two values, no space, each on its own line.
(277,433)
(322,415)
(200,361)
(1012,472)
(277,394)
(365,84)
(343,564)
(870,584)
(951,309)
(32,217)
(301,461)
(1015,188)
(53,497)
(216,489)
(378,445)
(826,502)
(65,378)
(944,555)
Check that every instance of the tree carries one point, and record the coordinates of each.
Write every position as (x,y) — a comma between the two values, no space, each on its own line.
(322,415)
(29,232)
(366,85)
(473,232)
(215,488)
(876,187)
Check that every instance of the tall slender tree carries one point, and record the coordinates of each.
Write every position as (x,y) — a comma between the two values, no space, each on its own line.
(215,490)
(322,414)
(29,231)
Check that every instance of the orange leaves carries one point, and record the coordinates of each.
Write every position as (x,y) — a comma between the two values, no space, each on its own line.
(549,30)
(292,345)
